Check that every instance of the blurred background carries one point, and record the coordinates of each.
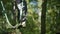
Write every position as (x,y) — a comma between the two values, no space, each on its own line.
(34,19)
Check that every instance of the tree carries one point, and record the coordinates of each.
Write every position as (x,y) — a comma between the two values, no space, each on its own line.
(43,17)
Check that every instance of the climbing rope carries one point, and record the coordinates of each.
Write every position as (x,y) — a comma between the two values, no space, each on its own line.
(8,22)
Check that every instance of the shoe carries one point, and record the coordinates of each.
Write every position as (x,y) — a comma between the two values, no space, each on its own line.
(23,24)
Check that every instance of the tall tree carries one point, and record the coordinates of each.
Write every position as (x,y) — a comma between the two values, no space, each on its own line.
(43,17)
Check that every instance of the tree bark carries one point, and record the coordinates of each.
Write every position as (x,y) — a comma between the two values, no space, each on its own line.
(43,17)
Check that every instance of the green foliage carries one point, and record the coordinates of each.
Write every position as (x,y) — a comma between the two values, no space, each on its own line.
(52,18)
(32,21)
(31,27)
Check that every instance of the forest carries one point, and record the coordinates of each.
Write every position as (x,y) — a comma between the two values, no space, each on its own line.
(29,17)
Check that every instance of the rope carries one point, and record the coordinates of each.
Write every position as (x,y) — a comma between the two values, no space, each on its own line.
(9,24)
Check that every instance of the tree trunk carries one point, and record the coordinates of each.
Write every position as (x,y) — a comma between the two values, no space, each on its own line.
(43,17)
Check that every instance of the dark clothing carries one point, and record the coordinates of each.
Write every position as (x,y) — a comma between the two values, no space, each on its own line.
(24,9)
